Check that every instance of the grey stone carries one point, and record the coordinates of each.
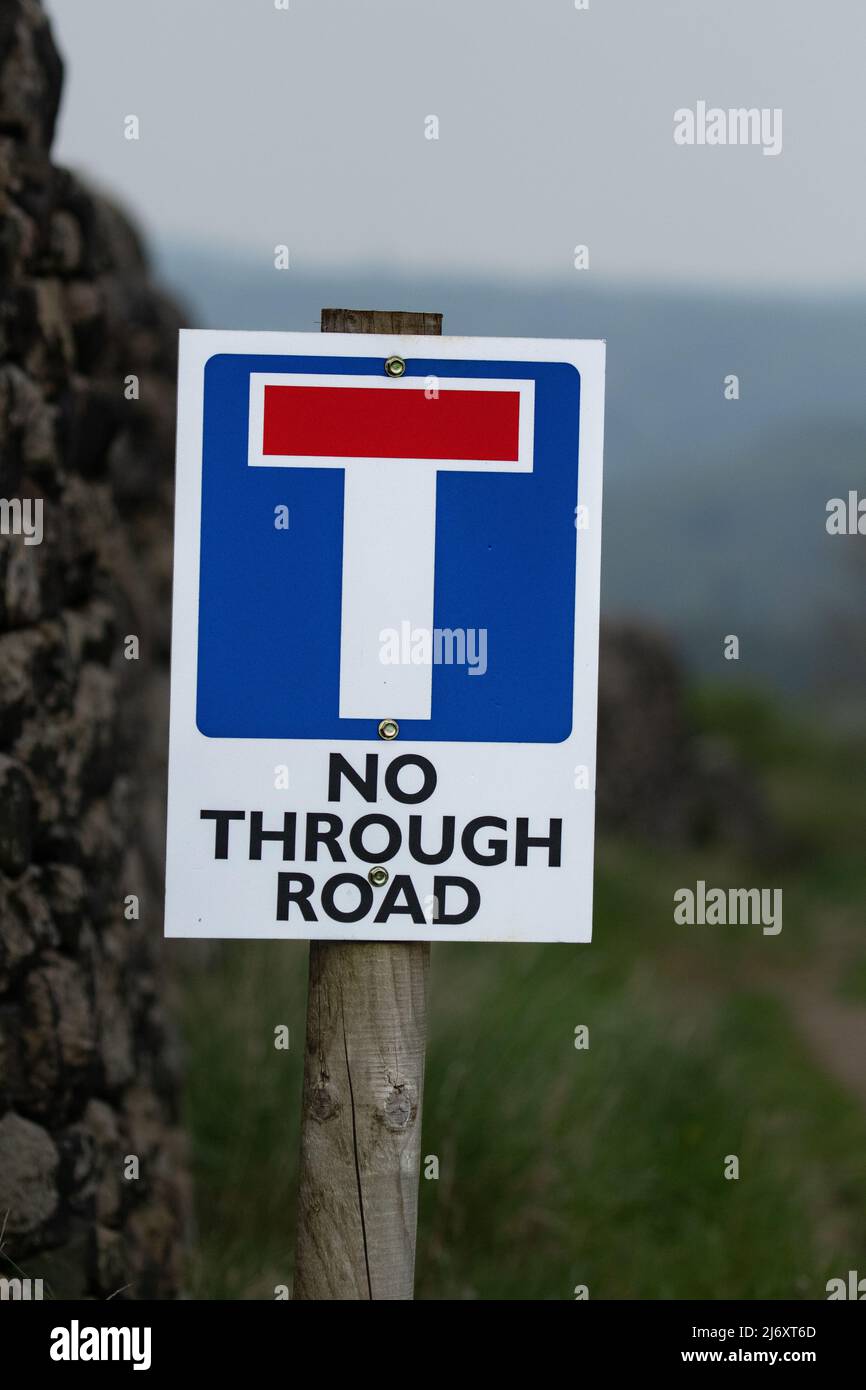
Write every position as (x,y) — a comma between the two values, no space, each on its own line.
(28,1172)
(16,817)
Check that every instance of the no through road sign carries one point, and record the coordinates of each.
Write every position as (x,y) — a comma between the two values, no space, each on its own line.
(385,637)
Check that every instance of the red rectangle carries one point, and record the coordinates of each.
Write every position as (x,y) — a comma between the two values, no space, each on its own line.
(362,422)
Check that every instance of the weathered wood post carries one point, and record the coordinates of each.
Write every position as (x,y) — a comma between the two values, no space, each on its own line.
(363,1074)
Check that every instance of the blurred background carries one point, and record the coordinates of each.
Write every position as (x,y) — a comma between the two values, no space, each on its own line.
(306,127)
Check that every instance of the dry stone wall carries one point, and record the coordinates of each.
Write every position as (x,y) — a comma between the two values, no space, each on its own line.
(87,1062)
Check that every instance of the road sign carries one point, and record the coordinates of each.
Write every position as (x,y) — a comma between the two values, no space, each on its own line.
(385,637)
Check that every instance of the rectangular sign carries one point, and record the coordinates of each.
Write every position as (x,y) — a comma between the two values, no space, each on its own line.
(385,638)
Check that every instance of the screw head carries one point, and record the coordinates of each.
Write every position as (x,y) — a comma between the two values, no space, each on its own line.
(378,876)
(395,366)
(389,728)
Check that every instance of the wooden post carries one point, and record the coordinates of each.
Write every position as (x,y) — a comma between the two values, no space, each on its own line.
(363,1074)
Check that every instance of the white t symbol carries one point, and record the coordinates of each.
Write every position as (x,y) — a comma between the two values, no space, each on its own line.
(389,539)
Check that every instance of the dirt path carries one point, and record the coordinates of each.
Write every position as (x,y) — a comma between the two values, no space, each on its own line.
(834,1030)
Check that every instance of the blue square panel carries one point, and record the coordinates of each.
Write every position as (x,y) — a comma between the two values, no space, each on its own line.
(270,598)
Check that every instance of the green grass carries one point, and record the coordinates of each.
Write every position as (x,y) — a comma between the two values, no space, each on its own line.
(601,1167)
(851,985)
(243,1112)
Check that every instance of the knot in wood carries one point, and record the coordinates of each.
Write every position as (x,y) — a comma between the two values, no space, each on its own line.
(400,1106)
(324,1101)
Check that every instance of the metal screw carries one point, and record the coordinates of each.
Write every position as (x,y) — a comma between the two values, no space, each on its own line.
(389,728)
(394,366)
(378,876)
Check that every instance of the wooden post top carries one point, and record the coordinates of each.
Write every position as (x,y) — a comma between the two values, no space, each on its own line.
(380,321)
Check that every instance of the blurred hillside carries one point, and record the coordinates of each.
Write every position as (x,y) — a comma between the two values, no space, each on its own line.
(714,509)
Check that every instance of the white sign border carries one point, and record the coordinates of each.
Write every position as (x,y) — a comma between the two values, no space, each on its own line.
(199,890)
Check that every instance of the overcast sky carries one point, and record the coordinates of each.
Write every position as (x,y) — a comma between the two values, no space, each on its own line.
(307,127)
